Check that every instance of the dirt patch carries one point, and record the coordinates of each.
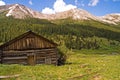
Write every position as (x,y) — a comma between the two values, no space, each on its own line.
(97,77)
(84,65)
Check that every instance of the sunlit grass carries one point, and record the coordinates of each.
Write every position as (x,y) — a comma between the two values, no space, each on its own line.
(79,66)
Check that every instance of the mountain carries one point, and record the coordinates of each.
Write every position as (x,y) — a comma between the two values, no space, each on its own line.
(111,18)
(21,12)
(76,14)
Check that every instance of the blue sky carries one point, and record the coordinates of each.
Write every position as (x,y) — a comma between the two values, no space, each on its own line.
(95,7)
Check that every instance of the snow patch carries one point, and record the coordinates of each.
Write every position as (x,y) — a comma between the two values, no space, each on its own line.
(10,11)
(23,10)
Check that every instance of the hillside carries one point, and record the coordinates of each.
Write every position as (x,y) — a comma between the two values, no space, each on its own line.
(72,34)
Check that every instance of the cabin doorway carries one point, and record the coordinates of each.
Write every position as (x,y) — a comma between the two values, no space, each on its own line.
(31,59)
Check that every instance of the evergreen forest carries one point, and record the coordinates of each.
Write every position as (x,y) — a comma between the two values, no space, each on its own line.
(69,33)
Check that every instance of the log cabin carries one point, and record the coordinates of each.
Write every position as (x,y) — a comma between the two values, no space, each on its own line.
(29,49)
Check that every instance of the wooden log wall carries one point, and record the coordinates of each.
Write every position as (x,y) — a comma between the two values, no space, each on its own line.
(42,56)
(48,54)
(14,57)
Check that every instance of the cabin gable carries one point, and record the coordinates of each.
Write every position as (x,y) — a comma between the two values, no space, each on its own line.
(28,41)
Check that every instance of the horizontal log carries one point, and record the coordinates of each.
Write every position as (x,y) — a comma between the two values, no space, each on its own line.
(45,53)
(44,50)
(40,57)
(28,50)
(37,56)
(40,62)
(19,54)
(14,58)
(24,53)
(40,52)
(13,55)
(53,59)
(54,55)
(53,62)
(13,62)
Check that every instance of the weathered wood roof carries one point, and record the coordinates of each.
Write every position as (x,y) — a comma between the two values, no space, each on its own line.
(17,42)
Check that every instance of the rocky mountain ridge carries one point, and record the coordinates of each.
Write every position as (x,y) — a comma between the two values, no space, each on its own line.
(21,12)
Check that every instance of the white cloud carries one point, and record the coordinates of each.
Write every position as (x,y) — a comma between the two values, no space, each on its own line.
(48,11)
(59,6)
(30,2)
(93,2)
(2,3)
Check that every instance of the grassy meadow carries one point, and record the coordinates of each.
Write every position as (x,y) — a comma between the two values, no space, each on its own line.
(80,65)
(97,54)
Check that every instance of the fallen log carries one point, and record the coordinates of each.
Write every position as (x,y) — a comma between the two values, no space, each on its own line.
(9,76)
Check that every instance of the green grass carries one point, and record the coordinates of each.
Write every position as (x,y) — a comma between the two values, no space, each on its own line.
(80,65)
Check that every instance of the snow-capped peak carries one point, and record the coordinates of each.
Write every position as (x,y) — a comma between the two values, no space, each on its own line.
(17,9)
(11,10)
(21,11)
(82,14)
(76,14)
